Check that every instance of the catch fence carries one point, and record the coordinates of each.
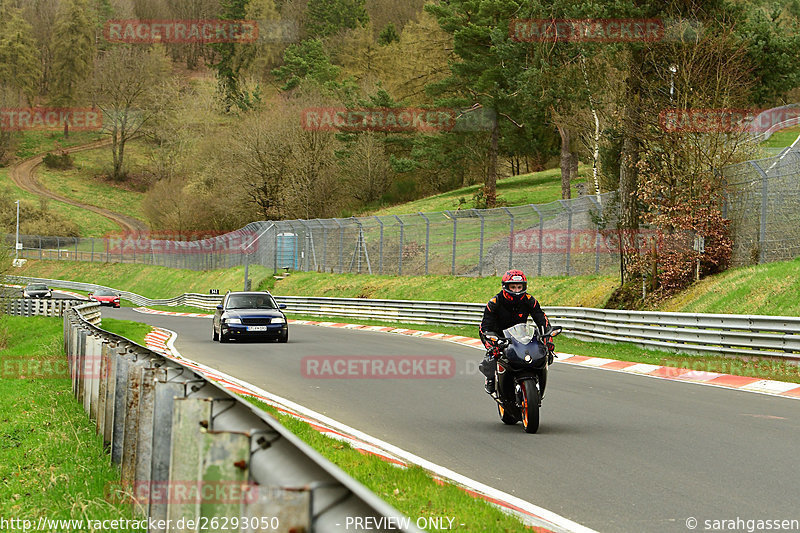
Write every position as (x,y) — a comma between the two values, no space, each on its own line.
(562,238)
(558,238)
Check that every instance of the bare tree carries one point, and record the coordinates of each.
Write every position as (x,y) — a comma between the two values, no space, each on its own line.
(367,168)
(132,91)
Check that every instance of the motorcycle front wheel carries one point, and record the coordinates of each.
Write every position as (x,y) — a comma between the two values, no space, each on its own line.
(530,406)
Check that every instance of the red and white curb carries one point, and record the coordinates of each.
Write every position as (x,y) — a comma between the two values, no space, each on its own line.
(714,379)
(541,520)
(770,387)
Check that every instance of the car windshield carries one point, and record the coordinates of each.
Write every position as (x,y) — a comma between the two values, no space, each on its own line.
(37,287)
(250,301)
(524,333)
(105,292)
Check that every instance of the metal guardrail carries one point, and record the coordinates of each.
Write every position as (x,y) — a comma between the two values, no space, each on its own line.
(37,306)
(174,433)
(741,335)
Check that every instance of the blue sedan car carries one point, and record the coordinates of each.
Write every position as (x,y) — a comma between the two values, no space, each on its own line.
(250,315)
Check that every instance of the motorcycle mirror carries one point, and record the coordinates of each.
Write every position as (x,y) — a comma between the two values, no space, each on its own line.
(550,331)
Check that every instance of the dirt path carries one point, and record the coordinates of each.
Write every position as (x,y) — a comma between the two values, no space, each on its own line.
(23,174)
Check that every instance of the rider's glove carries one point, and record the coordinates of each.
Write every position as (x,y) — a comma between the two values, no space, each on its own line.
(490,342)
(549,343)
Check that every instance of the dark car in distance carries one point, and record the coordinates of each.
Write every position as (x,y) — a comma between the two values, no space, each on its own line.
(37,290)
(105,297)
(249,315)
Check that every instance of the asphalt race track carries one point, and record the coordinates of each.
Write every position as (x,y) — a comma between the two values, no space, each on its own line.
(614,452)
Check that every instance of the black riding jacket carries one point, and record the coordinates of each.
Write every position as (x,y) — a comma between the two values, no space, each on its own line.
(501,313)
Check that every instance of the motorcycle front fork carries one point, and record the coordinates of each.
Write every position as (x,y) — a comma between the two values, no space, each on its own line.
(518,391)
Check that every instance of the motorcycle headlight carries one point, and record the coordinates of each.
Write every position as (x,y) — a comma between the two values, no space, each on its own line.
(233,321)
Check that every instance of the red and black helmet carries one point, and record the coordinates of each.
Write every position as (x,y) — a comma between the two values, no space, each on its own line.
(514,276)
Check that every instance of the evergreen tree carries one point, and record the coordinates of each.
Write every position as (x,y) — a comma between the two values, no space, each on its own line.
(74,50)
(230,65)
(328,17)
(388,35)
(483,77)
(307,60)
(20,67)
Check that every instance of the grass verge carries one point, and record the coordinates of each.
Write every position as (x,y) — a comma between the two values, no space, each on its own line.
(134,331)
(411,491)
(768,289)
(534,188)
(51,461)
(30,143)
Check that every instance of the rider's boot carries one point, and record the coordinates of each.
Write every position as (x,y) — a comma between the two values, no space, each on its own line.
(488,367)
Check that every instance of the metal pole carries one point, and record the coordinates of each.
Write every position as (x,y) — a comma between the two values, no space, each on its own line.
(480,254)
(16,239)
(324,243)
(341,242)
(380,246)
(599,207)
(565,205)
(400,255)
(762,233)
(246,270)
(427,239)
(541,231)
(455,230)
(510,239)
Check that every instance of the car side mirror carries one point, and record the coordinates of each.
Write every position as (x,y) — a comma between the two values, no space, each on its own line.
(219,307)
(281,306)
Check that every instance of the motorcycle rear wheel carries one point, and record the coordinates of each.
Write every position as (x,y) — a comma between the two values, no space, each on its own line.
(530,406)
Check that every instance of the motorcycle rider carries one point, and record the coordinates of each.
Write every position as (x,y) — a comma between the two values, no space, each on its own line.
(511,306)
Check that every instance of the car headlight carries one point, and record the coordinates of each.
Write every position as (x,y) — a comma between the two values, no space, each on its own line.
(233,321)
(279,320)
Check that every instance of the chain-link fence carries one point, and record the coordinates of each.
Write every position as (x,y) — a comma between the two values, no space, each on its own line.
(559,238)
(562,238)
(763,205)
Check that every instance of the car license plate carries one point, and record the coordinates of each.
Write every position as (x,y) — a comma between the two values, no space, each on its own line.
(256,328)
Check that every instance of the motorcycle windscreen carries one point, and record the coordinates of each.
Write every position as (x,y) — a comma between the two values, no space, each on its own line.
(522,333)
